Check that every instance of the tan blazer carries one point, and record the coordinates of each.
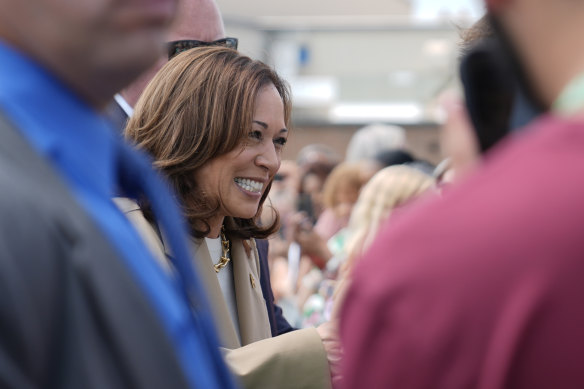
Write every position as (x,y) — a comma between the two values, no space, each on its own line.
(293,360)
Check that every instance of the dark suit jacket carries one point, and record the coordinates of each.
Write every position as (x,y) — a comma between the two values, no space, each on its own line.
(71,315)
(278,323)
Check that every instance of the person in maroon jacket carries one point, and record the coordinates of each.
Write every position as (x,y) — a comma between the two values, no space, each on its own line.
(482,287)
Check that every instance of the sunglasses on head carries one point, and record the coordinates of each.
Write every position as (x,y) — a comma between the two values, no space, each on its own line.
(177,47)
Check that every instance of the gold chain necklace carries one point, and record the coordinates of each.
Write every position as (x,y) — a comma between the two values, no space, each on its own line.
(224,260)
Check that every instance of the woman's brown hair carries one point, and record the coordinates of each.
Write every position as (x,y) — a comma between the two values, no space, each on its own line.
(200,106)
(346,179)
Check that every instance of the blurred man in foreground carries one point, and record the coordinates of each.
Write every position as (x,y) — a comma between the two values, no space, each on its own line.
(83,303)
(481,289)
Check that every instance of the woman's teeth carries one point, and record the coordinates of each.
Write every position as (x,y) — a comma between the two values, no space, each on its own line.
(249,185)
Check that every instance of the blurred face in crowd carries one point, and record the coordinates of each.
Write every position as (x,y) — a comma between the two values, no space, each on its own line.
(96,46)
(240,177)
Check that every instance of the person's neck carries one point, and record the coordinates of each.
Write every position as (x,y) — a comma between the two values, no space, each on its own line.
(215,227)
(571,99)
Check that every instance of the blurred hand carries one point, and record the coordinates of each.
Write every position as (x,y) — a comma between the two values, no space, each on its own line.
(341,288)
(311,243)
(279,279)
(329,333)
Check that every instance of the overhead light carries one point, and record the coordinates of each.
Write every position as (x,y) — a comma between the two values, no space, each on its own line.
(407,113)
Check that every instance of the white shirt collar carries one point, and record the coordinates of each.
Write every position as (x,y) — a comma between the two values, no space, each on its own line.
(124,104)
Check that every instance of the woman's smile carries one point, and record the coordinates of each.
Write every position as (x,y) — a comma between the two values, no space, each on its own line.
(249,185)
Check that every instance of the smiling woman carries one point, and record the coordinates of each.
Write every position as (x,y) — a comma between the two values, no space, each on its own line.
(211,119)
(238,178)
(215,123)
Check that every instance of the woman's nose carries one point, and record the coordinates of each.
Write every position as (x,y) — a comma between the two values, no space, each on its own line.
(269,159)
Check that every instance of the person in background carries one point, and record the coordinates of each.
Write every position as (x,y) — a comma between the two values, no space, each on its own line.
(390,191)
(317,244)
(340,192)
(283,197)
(389,157)
(215,122)
(83,302)
(380,145)
(315,162)
(484,283)
(320,155)
(370,140)
(198,23)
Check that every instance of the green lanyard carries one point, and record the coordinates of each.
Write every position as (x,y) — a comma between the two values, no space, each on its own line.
(572,97)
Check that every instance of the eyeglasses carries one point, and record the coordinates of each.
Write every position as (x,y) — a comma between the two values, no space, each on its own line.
(177,47)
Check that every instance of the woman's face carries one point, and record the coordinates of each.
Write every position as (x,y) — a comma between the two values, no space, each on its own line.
(240,177)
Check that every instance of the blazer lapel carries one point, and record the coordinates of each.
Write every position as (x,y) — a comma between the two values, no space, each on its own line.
(253,318)
(203,264)
(254,324)
(146,230)
(224,323)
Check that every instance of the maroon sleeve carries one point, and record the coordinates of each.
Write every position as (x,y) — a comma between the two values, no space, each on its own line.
(480,289)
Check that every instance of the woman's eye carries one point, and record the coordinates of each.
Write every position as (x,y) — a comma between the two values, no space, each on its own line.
(255,134)
(280,142)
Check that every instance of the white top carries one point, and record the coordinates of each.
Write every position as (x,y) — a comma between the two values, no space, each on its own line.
(225,278)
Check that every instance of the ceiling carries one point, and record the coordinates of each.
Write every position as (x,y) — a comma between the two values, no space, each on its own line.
(256,10)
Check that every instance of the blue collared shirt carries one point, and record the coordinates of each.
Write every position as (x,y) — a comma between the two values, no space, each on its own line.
(81,147)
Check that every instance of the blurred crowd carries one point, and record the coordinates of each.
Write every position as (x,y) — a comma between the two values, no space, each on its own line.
(151,235)
(331,209)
